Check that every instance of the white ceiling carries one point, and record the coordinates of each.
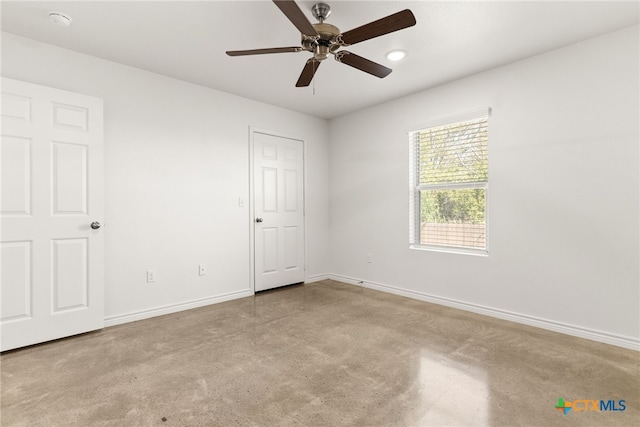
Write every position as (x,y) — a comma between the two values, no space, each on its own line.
(187,40)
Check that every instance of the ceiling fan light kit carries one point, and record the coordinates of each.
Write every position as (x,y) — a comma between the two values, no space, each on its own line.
(322,39)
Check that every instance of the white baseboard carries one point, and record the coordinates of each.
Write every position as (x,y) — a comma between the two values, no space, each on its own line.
(576,331)
(173,308)
(317,278)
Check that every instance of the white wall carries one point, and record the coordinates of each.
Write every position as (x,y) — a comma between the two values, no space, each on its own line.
(176,162)
(563,197)
(564,187)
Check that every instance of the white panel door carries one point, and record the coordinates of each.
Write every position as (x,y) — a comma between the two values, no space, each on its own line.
(52,191)
(278,173)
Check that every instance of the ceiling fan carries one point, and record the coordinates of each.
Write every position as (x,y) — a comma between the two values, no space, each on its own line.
(323,39)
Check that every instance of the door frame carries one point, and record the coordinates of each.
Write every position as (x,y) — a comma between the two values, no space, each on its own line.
(252,213)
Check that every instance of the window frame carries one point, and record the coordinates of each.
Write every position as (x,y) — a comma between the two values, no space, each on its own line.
(415,188)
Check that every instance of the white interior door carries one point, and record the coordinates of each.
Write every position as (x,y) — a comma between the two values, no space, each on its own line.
(52,190)
(278,171)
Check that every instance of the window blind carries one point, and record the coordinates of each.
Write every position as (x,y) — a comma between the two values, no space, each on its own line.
(452,154)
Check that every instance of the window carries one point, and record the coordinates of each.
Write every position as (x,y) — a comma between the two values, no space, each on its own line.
(449,183)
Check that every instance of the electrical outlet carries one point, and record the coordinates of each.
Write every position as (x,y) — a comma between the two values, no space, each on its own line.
(369,258)
(202,269)
(151,276)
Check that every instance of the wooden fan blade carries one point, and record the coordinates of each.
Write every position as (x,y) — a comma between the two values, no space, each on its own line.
(363,64)
(389,24)
(308,72)
(263,51)
(296,16)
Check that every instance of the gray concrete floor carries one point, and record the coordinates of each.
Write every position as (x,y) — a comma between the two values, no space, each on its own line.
(326,354)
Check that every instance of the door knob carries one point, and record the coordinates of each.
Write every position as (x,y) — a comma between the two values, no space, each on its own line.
(95,225)
(258,219)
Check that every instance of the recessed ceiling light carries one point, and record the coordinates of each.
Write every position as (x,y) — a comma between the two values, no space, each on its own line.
(60,19)
(396,55)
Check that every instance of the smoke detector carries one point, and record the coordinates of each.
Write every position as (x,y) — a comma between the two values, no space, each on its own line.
(60,19)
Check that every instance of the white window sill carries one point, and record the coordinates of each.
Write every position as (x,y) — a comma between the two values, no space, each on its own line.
(450,250)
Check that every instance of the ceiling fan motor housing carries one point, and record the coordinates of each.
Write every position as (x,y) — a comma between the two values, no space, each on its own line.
(323,45)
